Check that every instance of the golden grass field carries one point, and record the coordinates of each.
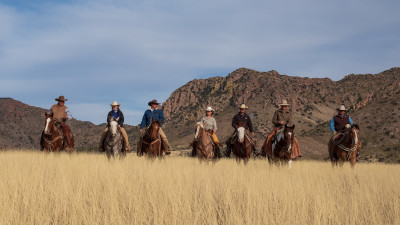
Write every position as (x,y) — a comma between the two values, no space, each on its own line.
(87,189)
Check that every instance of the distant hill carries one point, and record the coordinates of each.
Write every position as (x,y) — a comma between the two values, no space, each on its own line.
(373,102)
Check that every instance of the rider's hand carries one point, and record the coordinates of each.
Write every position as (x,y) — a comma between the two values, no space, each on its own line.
(141,130)
(281,122)
(119,126)
(334,133)
(252,133)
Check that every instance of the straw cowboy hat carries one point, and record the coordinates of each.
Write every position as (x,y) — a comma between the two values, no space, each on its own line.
(209,109)
(341,108)
(61,99)
(115,103)
(153,102)
(243,106)
(283,103)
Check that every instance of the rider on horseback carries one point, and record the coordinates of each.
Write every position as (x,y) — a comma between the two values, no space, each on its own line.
(211,128)
(241,117)
(339,122)
(117,114)
(282,117)
(60,115)
(156,114)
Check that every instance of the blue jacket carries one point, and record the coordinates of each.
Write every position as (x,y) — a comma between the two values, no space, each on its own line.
(332,123)
(156,114)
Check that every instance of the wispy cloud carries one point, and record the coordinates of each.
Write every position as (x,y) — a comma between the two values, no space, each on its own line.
(95,52)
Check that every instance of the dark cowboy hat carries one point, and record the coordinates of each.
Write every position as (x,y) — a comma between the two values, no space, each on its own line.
(61,99)
(153,102)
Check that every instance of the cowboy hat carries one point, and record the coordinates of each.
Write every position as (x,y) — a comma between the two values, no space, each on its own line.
(209,109)
(243,106)
(115,103)
(153,102)
(341,108)
(61,99)
(284,103)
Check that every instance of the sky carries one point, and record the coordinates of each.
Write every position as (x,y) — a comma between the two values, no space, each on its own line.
(96,51)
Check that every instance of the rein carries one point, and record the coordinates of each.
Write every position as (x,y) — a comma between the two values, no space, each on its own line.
(346,149)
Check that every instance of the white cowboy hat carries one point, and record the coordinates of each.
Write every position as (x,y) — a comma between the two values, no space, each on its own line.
(284,103)
(342,108)
(115,103)
(243,106)
(209,109)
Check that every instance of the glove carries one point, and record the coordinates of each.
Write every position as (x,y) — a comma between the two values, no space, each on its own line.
(334,133)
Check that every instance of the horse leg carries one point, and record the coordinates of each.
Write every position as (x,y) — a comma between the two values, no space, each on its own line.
(353,159)
(289,164)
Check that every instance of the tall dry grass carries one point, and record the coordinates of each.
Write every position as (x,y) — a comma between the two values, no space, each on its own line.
(87,189)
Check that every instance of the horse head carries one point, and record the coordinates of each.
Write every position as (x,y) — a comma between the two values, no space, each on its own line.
(153,129)
(113,127)
(288,133)
(49,123)
(241,130)
(199,128)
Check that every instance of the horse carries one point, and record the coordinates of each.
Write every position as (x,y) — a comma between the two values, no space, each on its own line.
(114,143)
(51,140)
(204,146)
(151,142)
(281,148)
(346,148)
(242,148)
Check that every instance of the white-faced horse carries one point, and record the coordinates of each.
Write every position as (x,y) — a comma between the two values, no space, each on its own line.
(113,143)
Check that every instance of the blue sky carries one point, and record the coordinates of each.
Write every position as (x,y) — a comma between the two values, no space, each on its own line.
(98,51)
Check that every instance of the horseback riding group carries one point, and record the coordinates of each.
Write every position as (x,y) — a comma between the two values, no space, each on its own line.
(280,145)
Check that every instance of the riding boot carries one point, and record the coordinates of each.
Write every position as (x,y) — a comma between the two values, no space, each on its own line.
(166,148)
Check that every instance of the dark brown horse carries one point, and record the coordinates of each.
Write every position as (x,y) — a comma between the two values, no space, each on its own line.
(242,148)
(151,143)
(344,146)
(51,140)
(280,150)
(205,149)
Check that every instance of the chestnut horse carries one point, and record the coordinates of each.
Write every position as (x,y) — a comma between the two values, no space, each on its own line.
(205,148)
(242,148)
(282,146)
(113,143)
(346,147)
(51,140)
(151,142)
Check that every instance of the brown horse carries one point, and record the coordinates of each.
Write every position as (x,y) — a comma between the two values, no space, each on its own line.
(205,148)
(346,147)
(280,150)
(51,140)
(151,142)
(242,148)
